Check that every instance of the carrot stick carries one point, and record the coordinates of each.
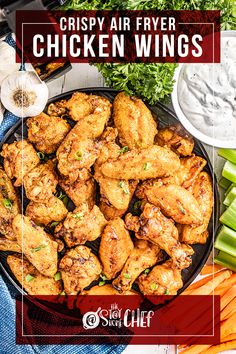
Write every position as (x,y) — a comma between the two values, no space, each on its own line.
(220,292)
(208,287)
(220,347)
(229,337)
(229,282)
(195,349)
(211,268)
(227,297)
(231,306)
(197,284)
(229,326)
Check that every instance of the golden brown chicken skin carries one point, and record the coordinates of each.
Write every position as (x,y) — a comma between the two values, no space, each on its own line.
(177,139)
(93,112)
(79,268)
(36,244)
(115,247)
(33,282)
(153,226)
(57,109)
(81,225)
(19,159)
(143,256)
(80,191)
(47,132)
(46,213)
(9,206)
(175,202)
(152,162)
(134,121)
(40,183)
(202,190)
(106,289)
(9,245)
(163,279)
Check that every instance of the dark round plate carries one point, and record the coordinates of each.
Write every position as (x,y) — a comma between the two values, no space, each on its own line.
(165,117)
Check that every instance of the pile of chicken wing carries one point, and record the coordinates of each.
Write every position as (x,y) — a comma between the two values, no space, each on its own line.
(139,196)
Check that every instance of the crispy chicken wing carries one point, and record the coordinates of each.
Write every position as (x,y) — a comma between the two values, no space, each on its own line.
(153,226)
(80,191)
(47,132)
(115,247)
(33,282)
(9,245)
(81,225)
(79,268)
(134,121)
(106,289)
(45,213)
(57,109)
(144,255)
(176,202)
(177,139)
(9,206)
(37,245)
(152,162)
(40,183)
(92,112)
(163,279)
(19,159)
(203,192)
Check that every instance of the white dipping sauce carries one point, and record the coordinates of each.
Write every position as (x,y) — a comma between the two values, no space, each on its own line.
(207,94)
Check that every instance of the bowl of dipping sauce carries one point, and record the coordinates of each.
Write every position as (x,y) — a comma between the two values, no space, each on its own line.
(204,97)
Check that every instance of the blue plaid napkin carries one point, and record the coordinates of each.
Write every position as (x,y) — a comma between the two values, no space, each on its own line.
(8,294)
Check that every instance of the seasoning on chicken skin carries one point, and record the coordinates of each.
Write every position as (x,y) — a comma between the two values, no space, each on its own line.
(9,245)
(57,109)
(19,159)
(9,206)
(81,225)
(134,121)
(163,279)
(152,162)
(177,139)
(106,289)
(80,191)
(143,256)
(45,213)
(37,245)
(175,202)
(202,190)
(115,247)
(153,226)
(40,183)
(93,112)
(33,282)
(79,268)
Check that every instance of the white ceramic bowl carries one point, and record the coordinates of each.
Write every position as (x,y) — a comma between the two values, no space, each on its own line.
(230,144)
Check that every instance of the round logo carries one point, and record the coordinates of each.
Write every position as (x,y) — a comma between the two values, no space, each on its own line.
(91,319)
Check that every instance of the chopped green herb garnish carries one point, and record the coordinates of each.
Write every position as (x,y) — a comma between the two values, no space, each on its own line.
(41,156)
(103,277)
(127,276)
(78,155)
(123,150)
(36,249)
(54,224)
(123,186)
(147,271)
(101,283)
(137,205)
(146,166)
(166,292)
(7,203)
(78,216)
(57,276)
(29,278)
(153,286)
(63,292)
(182,209)
(60,195)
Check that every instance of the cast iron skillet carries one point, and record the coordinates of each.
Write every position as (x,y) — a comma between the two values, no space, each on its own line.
(165,117)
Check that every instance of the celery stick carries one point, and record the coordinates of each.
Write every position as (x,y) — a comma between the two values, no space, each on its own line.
(229,189)
(224,183)
(228,154)
(226,260)
(226,240)
(229,216)
(230,197)
(229,171)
